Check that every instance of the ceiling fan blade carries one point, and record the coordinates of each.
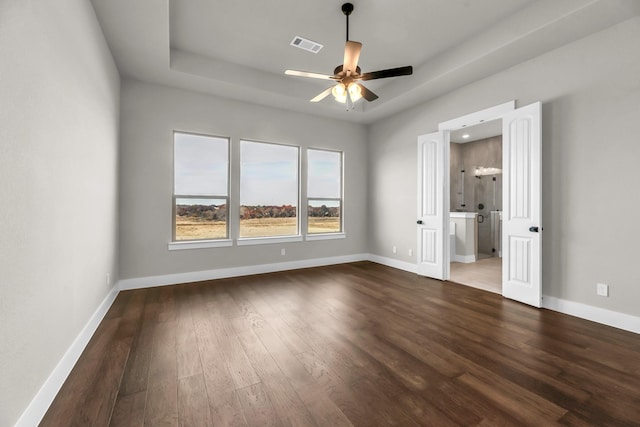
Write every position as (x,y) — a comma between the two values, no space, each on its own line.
(367,94)
(308,74)
(391,72)
(351,56)
(322,95)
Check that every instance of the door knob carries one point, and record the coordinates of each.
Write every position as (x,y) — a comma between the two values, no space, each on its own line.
(534,229)
(419,221)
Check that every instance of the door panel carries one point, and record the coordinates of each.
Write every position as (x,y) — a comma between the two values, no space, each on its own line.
(429,250)
(433,203)
(521,219)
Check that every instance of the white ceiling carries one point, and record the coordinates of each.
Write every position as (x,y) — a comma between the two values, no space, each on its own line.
(239,49)
(477,132)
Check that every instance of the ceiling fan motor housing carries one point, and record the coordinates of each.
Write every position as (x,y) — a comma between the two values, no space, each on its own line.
(340,67)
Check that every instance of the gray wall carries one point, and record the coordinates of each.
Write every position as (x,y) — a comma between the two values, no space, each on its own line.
(59,96)
(590,92)
(150,114)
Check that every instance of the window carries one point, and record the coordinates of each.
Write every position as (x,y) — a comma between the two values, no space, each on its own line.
(324,191)
(269,190)
(201,187)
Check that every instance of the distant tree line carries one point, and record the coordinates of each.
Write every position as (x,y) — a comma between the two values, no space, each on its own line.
(323,211)
(219,212)
(203,212)
(284,211)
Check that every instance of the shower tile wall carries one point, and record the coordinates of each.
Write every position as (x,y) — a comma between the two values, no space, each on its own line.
(483,153)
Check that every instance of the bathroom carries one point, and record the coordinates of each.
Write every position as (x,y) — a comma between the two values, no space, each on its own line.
(476,206)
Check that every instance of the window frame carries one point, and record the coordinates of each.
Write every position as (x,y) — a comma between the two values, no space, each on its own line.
(204,242)
(259,240)
(333,234)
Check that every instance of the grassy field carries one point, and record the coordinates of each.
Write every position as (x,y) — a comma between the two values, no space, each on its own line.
(193,228)
(196,228)
(324,225)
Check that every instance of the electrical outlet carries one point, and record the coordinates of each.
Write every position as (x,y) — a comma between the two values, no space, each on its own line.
(283,251)
(410,252)
(602,289)
(395,250)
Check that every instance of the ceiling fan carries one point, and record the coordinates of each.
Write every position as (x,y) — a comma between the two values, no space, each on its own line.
(348,88)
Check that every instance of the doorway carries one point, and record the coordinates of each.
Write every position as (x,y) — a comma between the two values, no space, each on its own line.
(521,242)
(475,228)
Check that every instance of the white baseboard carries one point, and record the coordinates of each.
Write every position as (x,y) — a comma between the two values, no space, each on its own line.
(222,273)
(390,262)
(465,259)
(596,314)
(44,397)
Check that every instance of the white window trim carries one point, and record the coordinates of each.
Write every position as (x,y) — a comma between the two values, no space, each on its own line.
(203,243)
(326,236)
(266,240)
(199,244)
(247,241)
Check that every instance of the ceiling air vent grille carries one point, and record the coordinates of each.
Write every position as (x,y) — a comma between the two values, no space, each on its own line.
(305,44)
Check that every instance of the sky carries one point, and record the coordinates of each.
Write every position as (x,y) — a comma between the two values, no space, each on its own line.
(268,172)
(325,174)
(201,165)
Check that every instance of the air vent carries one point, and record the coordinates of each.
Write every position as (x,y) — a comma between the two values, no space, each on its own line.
(305,44)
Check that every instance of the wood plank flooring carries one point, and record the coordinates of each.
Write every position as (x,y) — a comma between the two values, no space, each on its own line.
(350,345)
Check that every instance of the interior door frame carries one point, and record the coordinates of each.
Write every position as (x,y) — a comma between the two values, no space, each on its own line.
(486,115)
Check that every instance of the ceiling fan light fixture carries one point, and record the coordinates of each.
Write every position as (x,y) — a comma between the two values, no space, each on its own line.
(355,91)
(339,92)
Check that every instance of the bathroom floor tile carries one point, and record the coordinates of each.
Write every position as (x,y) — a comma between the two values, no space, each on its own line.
(484,274)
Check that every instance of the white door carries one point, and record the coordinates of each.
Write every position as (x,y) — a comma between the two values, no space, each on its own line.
(433,203)
(522,207)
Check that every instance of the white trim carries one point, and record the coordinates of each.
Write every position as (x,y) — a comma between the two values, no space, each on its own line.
(478,117)
(222,273)
(199,244)
(390,262)
(465,259)
(325,236)
(247,241)
(595,314)
(44,397)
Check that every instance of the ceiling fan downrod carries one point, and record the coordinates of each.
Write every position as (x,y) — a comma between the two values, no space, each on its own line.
(347,8)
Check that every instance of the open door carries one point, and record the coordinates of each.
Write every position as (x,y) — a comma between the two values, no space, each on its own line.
(433,203)
(522,206)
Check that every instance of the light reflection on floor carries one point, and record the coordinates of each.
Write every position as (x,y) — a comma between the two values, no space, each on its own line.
(485,274)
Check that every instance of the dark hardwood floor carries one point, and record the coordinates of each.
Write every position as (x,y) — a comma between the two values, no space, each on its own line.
(357,344)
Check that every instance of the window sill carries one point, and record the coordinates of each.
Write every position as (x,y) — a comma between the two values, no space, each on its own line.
(199,244)
(248,241)
(326,236)
(267,240)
